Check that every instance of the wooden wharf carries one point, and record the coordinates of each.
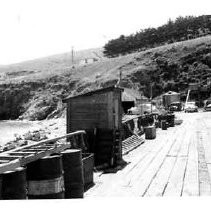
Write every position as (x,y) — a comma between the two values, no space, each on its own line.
(176,163)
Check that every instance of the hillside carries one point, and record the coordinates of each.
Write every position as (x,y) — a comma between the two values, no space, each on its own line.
(44,67)
(34,90)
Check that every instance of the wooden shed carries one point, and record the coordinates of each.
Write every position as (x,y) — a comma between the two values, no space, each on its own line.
(132,98)
(98,112)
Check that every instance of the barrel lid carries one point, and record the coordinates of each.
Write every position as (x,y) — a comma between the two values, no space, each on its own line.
(52,156)
(150,126)
(16,170)
(71,151)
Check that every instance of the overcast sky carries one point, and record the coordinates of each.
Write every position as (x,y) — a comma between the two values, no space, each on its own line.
(37,28)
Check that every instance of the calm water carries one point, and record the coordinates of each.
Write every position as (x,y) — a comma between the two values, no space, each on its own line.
(9,128)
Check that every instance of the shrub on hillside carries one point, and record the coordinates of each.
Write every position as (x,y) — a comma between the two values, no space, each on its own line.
(181,29)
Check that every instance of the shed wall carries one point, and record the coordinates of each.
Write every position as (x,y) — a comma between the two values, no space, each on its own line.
(100,114)
(90,112)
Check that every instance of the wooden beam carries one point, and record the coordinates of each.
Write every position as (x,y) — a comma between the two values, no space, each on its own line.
(42,154)
(4,161)
(21,153)
(46,141)
(34,150)
(7,157)
(46,146)
(126,119)
(43,147)
(16,161)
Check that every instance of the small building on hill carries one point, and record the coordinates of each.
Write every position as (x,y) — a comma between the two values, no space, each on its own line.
(87,61)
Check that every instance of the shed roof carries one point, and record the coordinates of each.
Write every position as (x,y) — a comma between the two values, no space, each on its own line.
(102,90)
(171,93)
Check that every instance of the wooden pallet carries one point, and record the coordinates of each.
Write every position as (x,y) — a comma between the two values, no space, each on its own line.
(10,160)
(131,143)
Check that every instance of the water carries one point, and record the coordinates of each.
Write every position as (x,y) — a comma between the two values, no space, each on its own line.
(9,127)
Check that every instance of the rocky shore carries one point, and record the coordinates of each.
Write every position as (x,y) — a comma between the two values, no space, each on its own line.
(29,132)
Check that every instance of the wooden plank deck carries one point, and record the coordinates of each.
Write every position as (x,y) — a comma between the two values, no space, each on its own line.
(176,163)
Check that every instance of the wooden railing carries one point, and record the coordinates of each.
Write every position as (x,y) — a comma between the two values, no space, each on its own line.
(12,159)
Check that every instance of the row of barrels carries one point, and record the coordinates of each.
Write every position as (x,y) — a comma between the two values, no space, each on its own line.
(167,119)
(163,122)
(57,176)
(142,122)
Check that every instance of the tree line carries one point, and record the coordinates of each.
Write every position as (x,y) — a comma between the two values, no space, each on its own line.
(183,28)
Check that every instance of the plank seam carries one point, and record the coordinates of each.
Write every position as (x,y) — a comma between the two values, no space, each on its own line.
(183,180)
(173,143)
(173,166)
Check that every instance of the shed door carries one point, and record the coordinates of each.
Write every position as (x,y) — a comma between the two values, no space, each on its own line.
(116,113)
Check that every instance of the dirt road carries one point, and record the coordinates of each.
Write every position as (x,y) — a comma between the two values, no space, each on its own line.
(176,163)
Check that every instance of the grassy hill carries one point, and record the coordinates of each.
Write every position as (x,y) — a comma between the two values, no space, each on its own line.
(34,89)
(45,67)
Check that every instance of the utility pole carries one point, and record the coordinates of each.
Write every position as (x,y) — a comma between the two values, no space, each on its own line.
(187,97)
(72,57)
(120,77)
(151,96)
(119,82)
(209,84)
(141,104)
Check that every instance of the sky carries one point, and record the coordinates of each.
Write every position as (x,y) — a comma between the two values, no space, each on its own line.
(31,29)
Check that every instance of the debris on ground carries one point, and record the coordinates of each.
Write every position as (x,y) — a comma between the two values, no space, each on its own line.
(25,139)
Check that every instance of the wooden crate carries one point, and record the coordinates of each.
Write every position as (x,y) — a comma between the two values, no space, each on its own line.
(88,166)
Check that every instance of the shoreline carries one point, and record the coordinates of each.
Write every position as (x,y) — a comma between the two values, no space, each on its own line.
(52,128)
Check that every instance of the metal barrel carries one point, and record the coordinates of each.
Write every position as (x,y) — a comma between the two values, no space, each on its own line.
(157,124)
(14,184)
(163,125)
(150,132)
(45,178)
(0,186)
(170,118)
(73,173)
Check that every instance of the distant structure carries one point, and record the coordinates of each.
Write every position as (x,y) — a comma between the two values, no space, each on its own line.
(87,61)
(193,86)
(97,55)
(3,76)
(169,98)
(132,98)
(72,57)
